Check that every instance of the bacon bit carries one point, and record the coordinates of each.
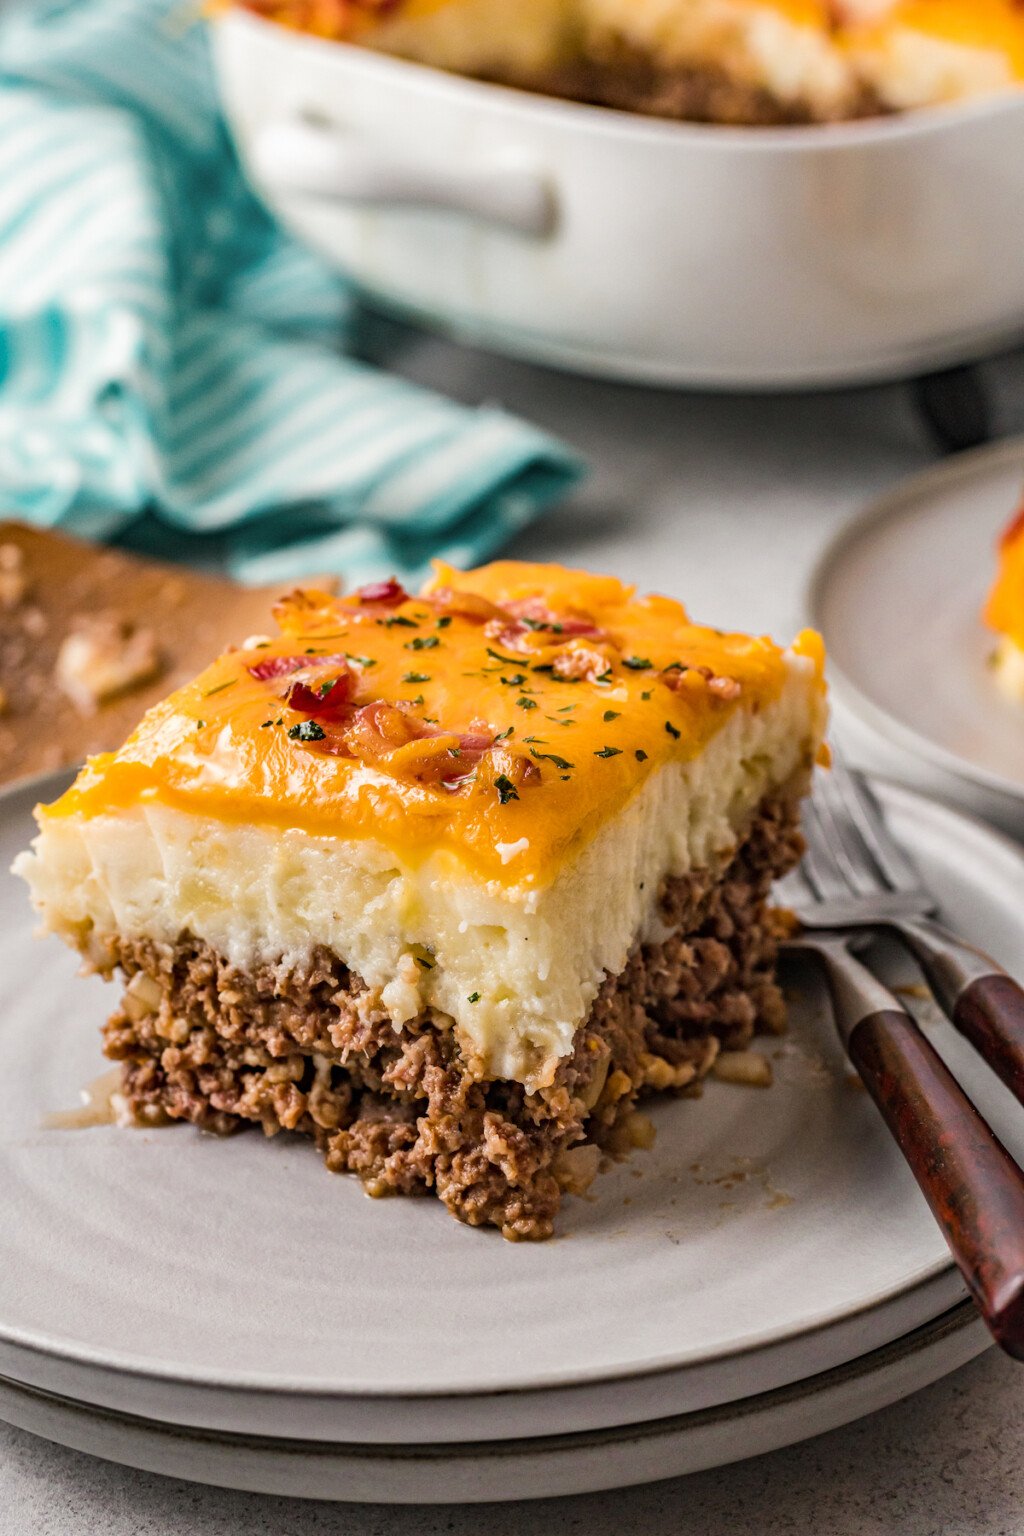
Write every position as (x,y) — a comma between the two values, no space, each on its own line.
(467,605)
(326,705)
(519,769)
(534,624)
(580,663)
(385,594)
(378,729)
(286,666)
(277,666)
(675,678)
(431,760)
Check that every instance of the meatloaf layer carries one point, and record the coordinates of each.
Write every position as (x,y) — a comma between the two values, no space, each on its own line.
(698,94)
(312,1051)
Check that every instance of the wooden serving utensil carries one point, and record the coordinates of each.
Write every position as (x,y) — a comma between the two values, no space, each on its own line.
(91,637)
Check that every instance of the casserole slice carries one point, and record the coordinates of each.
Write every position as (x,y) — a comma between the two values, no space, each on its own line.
(444,882)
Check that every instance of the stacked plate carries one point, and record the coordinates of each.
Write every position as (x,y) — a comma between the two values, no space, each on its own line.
(229,1312)
(898,597)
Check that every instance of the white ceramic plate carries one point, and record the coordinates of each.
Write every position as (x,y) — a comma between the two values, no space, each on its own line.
(235,1285)
(512,1469)
(898,598)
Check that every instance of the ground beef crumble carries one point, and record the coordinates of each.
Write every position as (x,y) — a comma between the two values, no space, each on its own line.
(312,1051)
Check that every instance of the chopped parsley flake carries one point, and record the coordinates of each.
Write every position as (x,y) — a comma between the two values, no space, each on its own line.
(609,752)
(610,714)
(428,965)
(525,703)
(454,751)
(640,755)
(220,687)
(672,730)
(422,643)
(566,709)
(549,666)
(361,661)
(645,696)
(399,619)
(416,677)
(200,724)
(443,623)
(515,681)
(550,757)
(504,735)
(506,789)
(307,730)
(474,997)
(506,661)
(637,663)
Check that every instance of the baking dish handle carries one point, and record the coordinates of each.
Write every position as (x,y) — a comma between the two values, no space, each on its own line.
(304,156)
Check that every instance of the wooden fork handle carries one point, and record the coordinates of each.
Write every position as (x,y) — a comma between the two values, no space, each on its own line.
(989,1011)
(985,1004)
(974,1188)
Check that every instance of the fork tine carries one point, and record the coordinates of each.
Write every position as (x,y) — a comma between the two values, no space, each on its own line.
(845,847)
(864,811)
(819,864)
(863,874)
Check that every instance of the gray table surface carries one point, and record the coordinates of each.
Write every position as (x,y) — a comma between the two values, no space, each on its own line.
(725,502)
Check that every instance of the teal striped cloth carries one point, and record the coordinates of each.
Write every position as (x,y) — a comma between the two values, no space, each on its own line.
(173,364)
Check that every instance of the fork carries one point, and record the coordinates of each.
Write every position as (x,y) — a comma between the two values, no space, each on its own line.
(858,877)
(972,1184)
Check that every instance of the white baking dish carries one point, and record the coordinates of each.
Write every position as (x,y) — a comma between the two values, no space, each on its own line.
(616,244)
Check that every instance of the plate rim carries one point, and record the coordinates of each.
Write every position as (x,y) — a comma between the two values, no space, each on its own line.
(110,1364)
(888,506)
(946,1335)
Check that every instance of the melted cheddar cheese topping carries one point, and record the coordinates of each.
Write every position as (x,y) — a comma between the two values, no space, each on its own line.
(1004,611)
(514,706)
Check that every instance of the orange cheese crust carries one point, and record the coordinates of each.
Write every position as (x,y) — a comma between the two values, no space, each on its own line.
(513,702)
(1004,610)
(995,26)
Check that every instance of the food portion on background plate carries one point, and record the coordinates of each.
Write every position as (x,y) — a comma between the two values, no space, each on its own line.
(1004,611)
(724,61)
(445,882)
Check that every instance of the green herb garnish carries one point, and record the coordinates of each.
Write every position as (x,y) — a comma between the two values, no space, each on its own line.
(423,643)
(506,789)
(474,997)
(637,663)
(609,752)
(220,687)
(416,677)
(550,757)
(306,730)
(525,703)
(672,730)
(640,755)
(610,714)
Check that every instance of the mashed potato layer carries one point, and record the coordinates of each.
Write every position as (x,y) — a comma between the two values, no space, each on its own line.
(515,965)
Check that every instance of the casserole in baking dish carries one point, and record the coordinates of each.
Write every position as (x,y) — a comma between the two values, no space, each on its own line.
(617,243)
